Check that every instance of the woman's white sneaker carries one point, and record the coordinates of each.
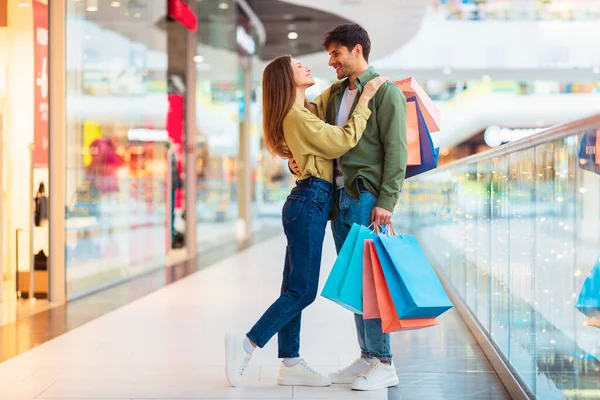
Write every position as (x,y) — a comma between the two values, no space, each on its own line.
(236,358)
(349,374)
(377,376)
(301,374)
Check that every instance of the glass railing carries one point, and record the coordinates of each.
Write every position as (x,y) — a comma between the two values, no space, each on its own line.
(516,231)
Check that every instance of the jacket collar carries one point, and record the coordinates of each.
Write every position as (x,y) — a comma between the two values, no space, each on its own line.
(361,81)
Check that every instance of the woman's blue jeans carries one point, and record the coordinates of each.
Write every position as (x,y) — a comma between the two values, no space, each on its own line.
(304,216)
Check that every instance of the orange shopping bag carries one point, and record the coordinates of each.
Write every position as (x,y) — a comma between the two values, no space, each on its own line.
(412,134)
(387,311)
(431,112)
(370,307)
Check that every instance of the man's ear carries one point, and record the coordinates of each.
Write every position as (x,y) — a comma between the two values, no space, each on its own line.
(358,50)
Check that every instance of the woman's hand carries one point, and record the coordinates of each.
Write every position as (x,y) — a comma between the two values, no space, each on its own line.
(371,89)
(293,166)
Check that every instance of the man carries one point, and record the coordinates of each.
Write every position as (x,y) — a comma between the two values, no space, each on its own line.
(368,180)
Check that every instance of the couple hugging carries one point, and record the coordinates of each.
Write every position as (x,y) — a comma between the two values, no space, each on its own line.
(348,148)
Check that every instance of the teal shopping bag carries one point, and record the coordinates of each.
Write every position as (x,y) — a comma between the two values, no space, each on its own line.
(414,286)
(588,302)
(344,284)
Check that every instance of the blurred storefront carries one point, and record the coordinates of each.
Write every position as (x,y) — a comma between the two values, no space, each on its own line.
(24,116)
(150,108)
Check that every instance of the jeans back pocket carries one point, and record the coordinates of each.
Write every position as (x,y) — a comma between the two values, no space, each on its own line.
(292,208)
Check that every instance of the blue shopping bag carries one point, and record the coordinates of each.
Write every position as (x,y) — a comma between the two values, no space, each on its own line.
(588,151)
(344,284)
(429,153)
(588,302)
(414,286)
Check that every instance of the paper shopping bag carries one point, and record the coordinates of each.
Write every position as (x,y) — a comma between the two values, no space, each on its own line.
(389,317)
(410,87)
(429,153)
(352,289)
(412,134)
(370,307)
(345,281)
(339,271)
(414,286)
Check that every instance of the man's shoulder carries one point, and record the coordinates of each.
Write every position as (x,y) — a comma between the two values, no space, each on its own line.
(389,92)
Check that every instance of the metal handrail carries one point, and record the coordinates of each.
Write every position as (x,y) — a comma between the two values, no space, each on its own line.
(548,135)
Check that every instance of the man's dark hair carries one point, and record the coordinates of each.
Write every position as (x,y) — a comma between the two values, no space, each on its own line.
(349,35)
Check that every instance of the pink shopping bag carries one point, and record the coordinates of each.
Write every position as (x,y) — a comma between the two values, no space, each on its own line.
(431,112)
(412,134)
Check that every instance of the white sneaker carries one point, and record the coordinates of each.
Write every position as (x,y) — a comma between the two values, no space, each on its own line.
(236,358)
(301,375)
(349,374)
(377,376)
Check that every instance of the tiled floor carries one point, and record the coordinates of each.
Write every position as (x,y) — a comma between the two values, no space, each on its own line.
(169,345)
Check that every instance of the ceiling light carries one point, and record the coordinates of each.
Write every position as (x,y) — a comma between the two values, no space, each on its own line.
(115,4)
(223,6)
(293,35)
(23,3)
(92,6)
(198,59)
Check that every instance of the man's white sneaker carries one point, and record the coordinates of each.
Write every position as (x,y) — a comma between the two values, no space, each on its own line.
(377,376)
(236,358)
(301,374)
(349,374)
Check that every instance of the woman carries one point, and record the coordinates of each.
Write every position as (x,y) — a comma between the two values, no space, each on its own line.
(291,130)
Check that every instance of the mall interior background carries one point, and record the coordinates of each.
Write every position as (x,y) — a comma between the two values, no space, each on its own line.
(499,71)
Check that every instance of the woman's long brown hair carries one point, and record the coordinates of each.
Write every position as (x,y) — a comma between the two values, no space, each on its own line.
(279,94)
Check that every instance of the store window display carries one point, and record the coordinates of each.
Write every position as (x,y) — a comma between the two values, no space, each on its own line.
(218,106)
(117,142)
(24,114)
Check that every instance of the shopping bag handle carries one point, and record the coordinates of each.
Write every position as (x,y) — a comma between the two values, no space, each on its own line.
(383,229)
(388,229)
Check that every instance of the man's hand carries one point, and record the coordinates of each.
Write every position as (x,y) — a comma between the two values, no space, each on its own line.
(381,216)
(293,166)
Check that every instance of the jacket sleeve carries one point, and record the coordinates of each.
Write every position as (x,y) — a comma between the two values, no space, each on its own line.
(391,120)
(318,105)
(316,137)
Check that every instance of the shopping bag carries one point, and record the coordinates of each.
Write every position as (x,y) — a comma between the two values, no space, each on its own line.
(589,151)
(588,302)
(344,284)
(339,271)
(385,305)
(431,112)
(413,284)
(412,134)
(429,153)
(370,307)
(352,290)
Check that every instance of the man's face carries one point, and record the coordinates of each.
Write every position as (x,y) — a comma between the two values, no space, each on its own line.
(342,60)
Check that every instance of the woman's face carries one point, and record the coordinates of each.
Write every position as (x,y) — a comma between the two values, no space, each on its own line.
(302,77)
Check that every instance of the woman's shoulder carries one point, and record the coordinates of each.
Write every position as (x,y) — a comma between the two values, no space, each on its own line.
(296,113)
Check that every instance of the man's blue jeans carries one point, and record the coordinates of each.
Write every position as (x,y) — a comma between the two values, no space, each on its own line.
(373,342)
(305,214)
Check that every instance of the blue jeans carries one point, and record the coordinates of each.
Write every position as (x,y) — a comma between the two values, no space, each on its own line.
(305,214)
(373,343)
